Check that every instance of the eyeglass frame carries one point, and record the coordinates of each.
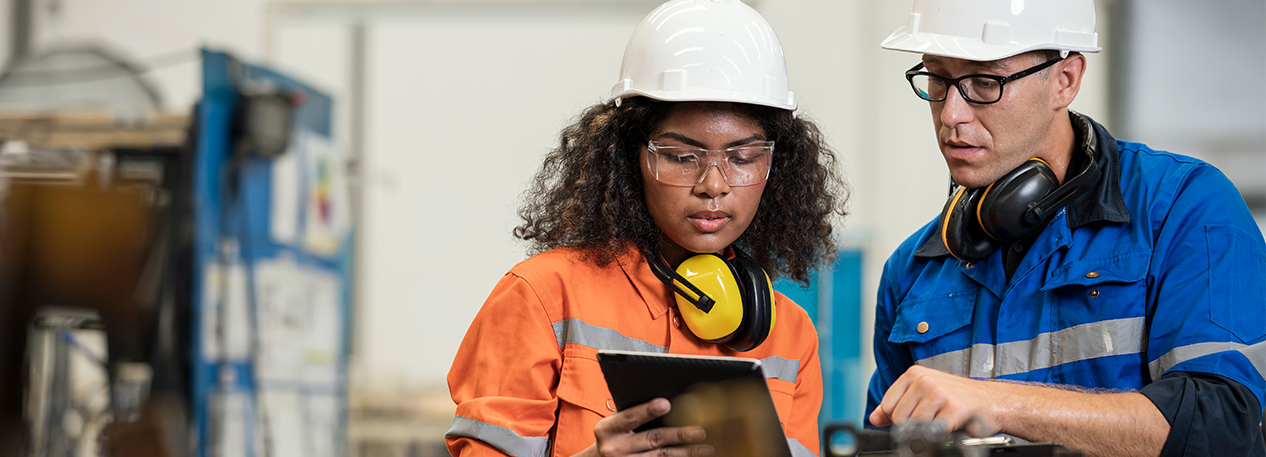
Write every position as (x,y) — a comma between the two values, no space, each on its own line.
(1002,80)
(652,147)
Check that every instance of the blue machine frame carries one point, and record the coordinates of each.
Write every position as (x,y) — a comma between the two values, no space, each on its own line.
(236,212)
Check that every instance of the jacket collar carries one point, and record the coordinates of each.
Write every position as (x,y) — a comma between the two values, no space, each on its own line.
(1102,203)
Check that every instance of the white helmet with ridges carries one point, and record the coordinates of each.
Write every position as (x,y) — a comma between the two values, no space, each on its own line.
(705,50)
(985,30)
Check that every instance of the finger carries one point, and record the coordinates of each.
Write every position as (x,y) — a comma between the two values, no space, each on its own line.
(671,440)
(920,387)
(671,436)
(927,409)
(894,394)
(698,450)
(905,406)
(879,419)
(628,420)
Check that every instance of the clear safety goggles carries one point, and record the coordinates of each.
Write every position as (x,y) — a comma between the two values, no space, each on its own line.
(686,166)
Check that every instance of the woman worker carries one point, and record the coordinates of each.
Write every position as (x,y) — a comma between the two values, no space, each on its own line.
(698,157)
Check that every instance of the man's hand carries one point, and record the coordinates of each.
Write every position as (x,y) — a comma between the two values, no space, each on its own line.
(1099,424)
(615,436)
(925,395)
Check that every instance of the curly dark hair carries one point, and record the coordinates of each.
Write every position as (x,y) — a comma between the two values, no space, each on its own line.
(588,194)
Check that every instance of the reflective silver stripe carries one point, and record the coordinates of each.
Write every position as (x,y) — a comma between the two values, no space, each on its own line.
(1256,355)
(780,368)
(799,450)
(499,437)
(1083,342)
(576,331)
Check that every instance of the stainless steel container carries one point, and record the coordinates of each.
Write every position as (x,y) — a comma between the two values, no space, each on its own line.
(67,391)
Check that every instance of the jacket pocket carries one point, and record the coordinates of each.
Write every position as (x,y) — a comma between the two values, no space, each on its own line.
(583,401)
(1130,267)
(1237,274)
(581,383)
(923,319)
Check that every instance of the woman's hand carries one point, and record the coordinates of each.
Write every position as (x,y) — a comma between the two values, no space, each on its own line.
(615,435)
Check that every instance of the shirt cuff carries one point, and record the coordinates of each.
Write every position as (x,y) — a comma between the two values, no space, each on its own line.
(1208,415)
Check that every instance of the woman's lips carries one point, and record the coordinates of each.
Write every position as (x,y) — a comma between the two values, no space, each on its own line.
(709,222)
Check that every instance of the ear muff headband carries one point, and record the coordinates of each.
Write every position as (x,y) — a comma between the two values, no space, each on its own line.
(983,197)
(675,282)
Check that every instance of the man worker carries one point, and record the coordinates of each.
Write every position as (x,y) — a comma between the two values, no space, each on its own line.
(1077,288)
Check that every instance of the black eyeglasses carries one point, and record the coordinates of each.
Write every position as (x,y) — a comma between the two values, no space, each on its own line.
(979,89)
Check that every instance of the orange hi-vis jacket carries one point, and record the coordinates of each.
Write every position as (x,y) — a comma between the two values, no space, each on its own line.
(526,378)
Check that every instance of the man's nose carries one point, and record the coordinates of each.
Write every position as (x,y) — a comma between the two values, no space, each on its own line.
(956,109)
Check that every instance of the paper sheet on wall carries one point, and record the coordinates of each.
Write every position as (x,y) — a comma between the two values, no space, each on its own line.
(327,215)
(226,323)
(229,417)
(286,198)
(301,425)
(299,317)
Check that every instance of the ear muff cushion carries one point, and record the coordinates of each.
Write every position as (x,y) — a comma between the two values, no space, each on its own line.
(1002,208)
(713,275)
(758,318)
(960,231)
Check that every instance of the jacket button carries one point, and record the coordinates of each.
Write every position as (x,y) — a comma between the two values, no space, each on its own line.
(1094,293)
(922,327)
(676,322)
(1092,275)
(610,405)
(971,265)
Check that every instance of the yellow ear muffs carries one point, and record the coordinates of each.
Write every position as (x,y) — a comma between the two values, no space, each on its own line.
(711,274)
(722,301)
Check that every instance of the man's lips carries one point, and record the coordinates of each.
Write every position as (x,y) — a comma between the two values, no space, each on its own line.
(961,150)
(709,221)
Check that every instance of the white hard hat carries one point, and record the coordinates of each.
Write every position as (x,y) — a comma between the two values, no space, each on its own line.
(985,30)
(705,50)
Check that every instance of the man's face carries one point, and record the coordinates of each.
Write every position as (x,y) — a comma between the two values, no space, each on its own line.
(981,143)
(710,215)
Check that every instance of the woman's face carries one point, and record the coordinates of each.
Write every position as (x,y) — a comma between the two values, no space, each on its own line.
(712,214)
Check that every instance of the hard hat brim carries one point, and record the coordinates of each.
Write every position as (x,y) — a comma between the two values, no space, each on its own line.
(964,48)
(707,95)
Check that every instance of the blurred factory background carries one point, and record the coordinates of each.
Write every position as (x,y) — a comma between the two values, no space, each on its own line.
(145,189)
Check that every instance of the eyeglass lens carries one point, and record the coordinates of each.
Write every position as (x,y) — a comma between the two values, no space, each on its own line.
(687,166)
(976,89)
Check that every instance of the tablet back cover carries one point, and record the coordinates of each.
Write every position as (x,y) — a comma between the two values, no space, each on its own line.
(727,396)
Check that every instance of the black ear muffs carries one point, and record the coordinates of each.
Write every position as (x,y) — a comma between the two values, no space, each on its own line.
(722,301)
(1004,207)
(959,229)
(976,221)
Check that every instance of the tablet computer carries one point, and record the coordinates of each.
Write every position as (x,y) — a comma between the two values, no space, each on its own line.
(727,396)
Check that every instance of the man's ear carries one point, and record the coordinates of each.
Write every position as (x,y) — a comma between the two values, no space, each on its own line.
(1067,80)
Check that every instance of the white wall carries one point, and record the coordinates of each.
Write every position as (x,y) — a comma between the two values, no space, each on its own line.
(462,102)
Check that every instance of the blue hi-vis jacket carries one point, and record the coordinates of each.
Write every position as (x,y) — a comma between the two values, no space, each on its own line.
(1159,270)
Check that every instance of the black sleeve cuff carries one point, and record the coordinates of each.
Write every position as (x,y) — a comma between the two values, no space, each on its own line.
(1208,415)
